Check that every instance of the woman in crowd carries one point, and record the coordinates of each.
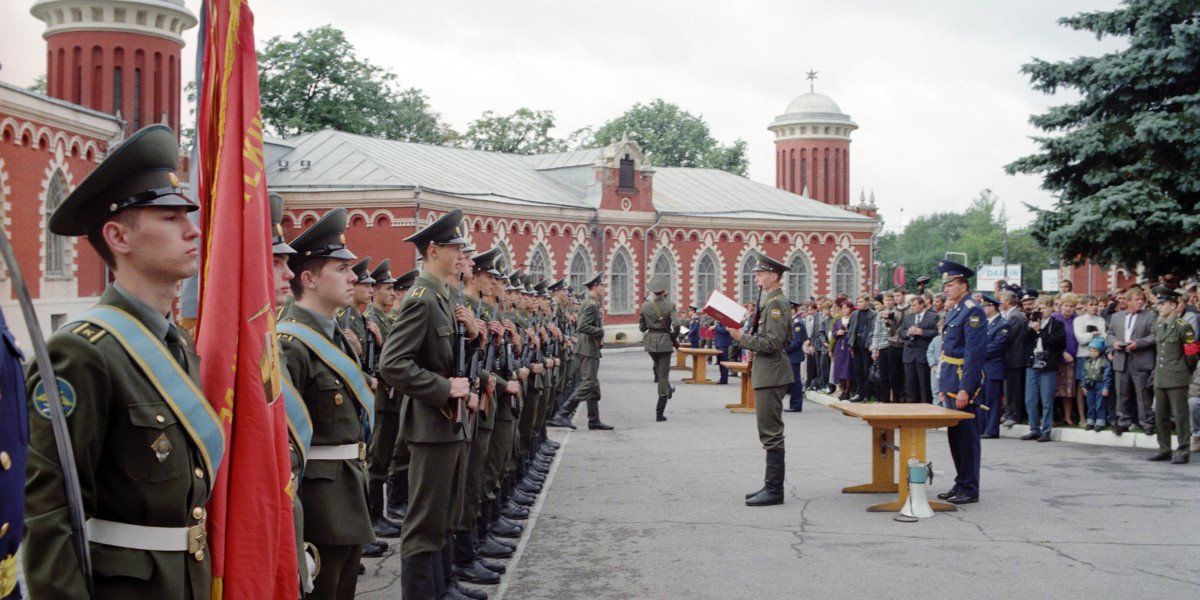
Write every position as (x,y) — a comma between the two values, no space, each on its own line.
(1087,326)
(1064,388)
(843,365)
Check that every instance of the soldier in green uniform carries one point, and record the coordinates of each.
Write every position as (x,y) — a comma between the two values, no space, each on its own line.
(387,405)
(397,475)
(325,370)
(589,324)
(770,371)
(145,457)
(353,325)
(1172,374)
(656,322)
(419,361)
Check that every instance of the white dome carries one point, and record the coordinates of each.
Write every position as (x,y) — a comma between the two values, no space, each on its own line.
(813,103)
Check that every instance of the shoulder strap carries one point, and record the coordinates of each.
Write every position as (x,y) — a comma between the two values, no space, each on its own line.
(177,389)
(299,421)
(341,364)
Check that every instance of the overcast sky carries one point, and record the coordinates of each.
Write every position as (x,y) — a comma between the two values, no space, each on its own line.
(934,86)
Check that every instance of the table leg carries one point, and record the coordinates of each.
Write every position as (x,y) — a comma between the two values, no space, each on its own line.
(748,405)
(680,361)
(883,465)
(699,371)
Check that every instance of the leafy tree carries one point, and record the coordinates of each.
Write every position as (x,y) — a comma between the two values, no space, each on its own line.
(1124,160)
(316,81)
(673,137)
(523,132)
(39,85)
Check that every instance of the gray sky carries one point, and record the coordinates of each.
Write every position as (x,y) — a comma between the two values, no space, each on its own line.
(934,86)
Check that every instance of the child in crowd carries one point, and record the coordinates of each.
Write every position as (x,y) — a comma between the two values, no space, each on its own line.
(1098,381)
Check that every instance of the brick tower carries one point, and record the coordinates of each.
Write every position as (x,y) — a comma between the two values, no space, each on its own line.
(812,148)
(116,56)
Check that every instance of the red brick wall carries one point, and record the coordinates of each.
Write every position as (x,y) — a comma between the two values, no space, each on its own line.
(828,164)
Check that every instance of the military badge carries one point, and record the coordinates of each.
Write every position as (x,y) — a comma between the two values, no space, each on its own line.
(776,313)
(161,447)
(338,399)
(974,321)
(66,394)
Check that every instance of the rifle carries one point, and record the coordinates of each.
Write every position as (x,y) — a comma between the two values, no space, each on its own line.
(58,420)
(371,349)
(458,413)
(509,367)
(754,326)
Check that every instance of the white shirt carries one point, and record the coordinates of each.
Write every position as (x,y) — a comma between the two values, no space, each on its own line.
(1130,320)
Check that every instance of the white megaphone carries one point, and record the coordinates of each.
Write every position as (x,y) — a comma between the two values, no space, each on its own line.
(920,475)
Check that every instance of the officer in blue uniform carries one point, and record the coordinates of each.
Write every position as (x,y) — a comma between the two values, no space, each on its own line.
(722,341)
(14,442)
(694,327)
(964,350)
(796,356)
(993,367)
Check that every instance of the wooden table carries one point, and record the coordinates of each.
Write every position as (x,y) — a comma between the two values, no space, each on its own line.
(747,404)
(680,360)
(912,420)
(699,364)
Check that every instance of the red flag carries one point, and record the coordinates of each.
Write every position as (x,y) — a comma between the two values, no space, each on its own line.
(898,277)
(250,529)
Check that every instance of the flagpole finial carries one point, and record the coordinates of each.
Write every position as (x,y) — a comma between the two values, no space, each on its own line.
(811,76)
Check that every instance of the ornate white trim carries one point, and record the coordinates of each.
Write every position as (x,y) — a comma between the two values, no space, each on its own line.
(56,286)
(621,245)
(707,243)
(752,245)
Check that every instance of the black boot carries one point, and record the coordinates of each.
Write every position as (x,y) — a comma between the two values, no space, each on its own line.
(374,549)
(772,492)
(662,406)
(383,527)
(439,573)
(466,563)
(418,578)
(593,409)
(397,498)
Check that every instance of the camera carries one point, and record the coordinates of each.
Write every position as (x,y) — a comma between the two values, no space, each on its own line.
(1038,361)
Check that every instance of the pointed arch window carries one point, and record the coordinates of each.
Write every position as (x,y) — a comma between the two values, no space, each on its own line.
(706,277)
(845,275)
(748,290)
(56,245)
(580,270)
(539,263)
(799,278)
(664,266)
(620,289)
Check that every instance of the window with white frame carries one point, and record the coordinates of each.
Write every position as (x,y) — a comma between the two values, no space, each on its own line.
(845,275)
(799,278)
(706,277)
(620,296)
(56,245)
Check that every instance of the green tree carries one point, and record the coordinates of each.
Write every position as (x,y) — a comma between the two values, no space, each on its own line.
(523,132)
(39,85)
(315,81)
(1124,160)
(673,137)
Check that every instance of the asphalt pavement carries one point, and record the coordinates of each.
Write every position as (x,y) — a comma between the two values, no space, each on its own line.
(656,510)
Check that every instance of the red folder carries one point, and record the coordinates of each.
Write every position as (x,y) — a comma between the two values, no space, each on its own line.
(725,310)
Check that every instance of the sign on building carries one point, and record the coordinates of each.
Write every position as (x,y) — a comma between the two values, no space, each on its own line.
(1050,280)
(987,276)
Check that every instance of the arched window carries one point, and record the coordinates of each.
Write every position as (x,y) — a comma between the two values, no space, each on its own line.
(799,279)
(504,262)
(845,275)
(706,277)
(664,266)
(539,263)
(56,250)
(620,288)
(580,270)
(747,288)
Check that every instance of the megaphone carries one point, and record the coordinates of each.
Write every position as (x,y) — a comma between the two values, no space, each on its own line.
(920,475)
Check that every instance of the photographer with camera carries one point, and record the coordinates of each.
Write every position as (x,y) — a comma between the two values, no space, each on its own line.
(1047,338)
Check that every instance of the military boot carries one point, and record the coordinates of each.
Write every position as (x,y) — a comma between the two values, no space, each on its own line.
(772,492)
(382,526)
(662,406)
(397,498)
(418,577)
(466,562)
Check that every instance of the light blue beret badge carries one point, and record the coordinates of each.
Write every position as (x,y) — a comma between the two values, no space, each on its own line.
(65,392)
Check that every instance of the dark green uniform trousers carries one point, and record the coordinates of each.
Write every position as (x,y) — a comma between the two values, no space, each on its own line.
(769,412)
(1168,403)
(662,371)
(473,491)
(339,583)
(433,484)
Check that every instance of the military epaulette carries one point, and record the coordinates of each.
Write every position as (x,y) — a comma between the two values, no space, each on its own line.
(417,292)
(341,312)
(89,332)
(969,303)
(285,337)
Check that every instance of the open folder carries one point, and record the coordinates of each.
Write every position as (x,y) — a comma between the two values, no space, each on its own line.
(725,309)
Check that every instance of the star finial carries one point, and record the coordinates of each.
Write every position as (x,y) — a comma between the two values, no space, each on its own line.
(811,76)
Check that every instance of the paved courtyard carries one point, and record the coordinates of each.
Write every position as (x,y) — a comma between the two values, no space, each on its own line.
(655,510)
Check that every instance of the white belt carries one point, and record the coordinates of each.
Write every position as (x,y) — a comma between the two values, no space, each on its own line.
(140,537)
(343,452)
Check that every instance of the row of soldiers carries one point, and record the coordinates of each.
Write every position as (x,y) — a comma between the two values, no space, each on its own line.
(431,413)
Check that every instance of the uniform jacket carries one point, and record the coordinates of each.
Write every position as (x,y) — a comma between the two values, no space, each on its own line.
(418,360)
(1170,335)
(1017,355)
(1141,359)
(916,345)
(770,366)
(332,492)
(113,421)
(693,334)
(964,337)
(485,418)
(386,398)
(589,324)
(721,337)
(795,347)
(654,321)
(14,443)
(348,317)
(997,348)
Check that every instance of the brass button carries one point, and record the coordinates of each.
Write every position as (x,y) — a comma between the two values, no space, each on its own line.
(199,555)
(160,418)
(198,513)
(336,382)
(5,460)
(3,530)
(199,473)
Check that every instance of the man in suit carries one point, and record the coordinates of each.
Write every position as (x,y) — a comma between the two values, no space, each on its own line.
(993,367)
(861,332)
(1131,336)
(771,374)
(795,352)
(917,329)
(1015,357)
